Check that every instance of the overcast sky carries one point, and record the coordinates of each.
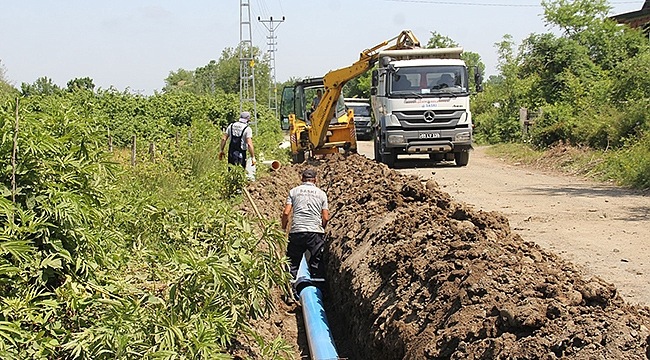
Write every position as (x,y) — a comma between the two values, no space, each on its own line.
(134,44)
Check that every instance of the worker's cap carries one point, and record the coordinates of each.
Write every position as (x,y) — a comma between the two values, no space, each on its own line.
(309,174)
(245,115)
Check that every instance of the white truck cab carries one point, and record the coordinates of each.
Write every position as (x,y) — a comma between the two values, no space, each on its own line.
(421,102)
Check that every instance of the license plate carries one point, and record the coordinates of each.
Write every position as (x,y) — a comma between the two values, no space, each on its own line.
(428,135)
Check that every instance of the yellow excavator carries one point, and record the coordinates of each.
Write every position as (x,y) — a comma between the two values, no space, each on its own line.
(328,127)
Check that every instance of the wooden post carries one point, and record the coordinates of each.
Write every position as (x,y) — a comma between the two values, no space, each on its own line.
(523,120)
(152,151)
(14,154)
(177,137)
(133,148)
(189,137)
(110,141)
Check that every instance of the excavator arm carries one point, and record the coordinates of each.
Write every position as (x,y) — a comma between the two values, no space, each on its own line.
(317,132)
(335,79)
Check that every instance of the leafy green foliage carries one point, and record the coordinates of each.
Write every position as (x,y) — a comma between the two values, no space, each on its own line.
(568,78)
(589,85)
(631,164)
(84,83)
(222,76)
(102,260)
(42,86)
(53,231)
(438,40)
(575,16)
(630,80)
(358,87)
(7,91)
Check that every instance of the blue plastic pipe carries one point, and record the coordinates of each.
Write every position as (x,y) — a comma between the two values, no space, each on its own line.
(319,336)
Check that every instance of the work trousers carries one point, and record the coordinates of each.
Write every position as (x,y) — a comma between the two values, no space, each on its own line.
(306,241)
(237,157)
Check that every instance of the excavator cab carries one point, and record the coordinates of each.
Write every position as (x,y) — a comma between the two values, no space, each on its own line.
(298,114)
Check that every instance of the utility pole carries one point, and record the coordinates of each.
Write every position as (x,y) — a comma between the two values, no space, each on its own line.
(271,24)
(246,61)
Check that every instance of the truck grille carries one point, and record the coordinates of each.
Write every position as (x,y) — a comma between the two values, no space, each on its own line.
(429,118)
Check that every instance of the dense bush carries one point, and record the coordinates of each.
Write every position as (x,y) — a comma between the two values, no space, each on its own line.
(630,165)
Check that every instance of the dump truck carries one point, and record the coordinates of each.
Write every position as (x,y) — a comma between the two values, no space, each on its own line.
(421,103)
(326,129)
(362,113)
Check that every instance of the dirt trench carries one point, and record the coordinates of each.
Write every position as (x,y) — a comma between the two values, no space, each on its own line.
(413,274)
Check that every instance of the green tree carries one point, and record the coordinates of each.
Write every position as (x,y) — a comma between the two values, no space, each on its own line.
(6,90)
(222,76)
(84,83)
(496,109)
(42,86)
(553,59)
(438,40)
(358,87)
(213,76)
(574,16)
(586,22)
(179,80)
(631,79)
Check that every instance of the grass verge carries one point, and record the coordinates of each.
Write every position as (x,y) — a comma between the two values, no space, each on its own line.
(629,166)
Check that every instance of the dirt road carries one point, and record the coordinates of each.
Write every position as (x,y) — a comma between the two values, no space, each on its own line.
(601,228)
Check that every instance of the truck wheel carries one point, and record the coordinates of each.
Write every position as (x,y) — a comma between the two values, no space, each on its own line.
(389,157)
(461,158)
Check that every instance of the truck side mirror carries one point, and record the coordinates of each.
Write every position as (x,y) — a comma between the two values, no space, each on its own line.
(375,78)
(373,90)
(478,79)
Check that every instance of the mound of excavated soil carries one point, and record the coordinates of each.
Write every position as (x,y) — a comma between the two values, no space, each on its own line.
(413,274)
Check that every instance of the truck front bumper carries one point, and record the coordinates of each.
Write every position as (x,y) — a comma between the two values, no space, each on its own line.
(429,141)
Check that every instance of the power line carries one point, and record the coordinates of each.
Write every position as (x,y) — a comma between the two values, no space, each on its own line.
(281,9)
(271,25)
(491,4)
(464,3)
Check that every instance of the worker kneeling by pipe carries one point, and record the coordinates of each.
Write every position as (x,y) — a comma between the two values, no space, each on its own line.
(308,209)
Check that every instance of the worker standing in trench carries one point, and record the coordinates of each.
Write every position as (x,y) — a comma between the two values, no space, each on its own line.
(308,207)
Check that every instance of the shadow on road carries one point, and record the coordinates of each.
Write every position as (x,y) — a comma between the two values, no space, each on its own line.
(634,212)
(411,163)
(419,163)
(588,190)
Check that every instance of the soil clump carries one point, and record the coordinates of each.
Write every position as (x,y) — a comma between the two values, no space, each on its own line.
(413,274)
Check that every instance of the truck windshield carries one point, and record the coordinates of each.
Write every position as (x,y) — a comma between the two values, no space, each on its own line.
(429,80)
(360,110)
